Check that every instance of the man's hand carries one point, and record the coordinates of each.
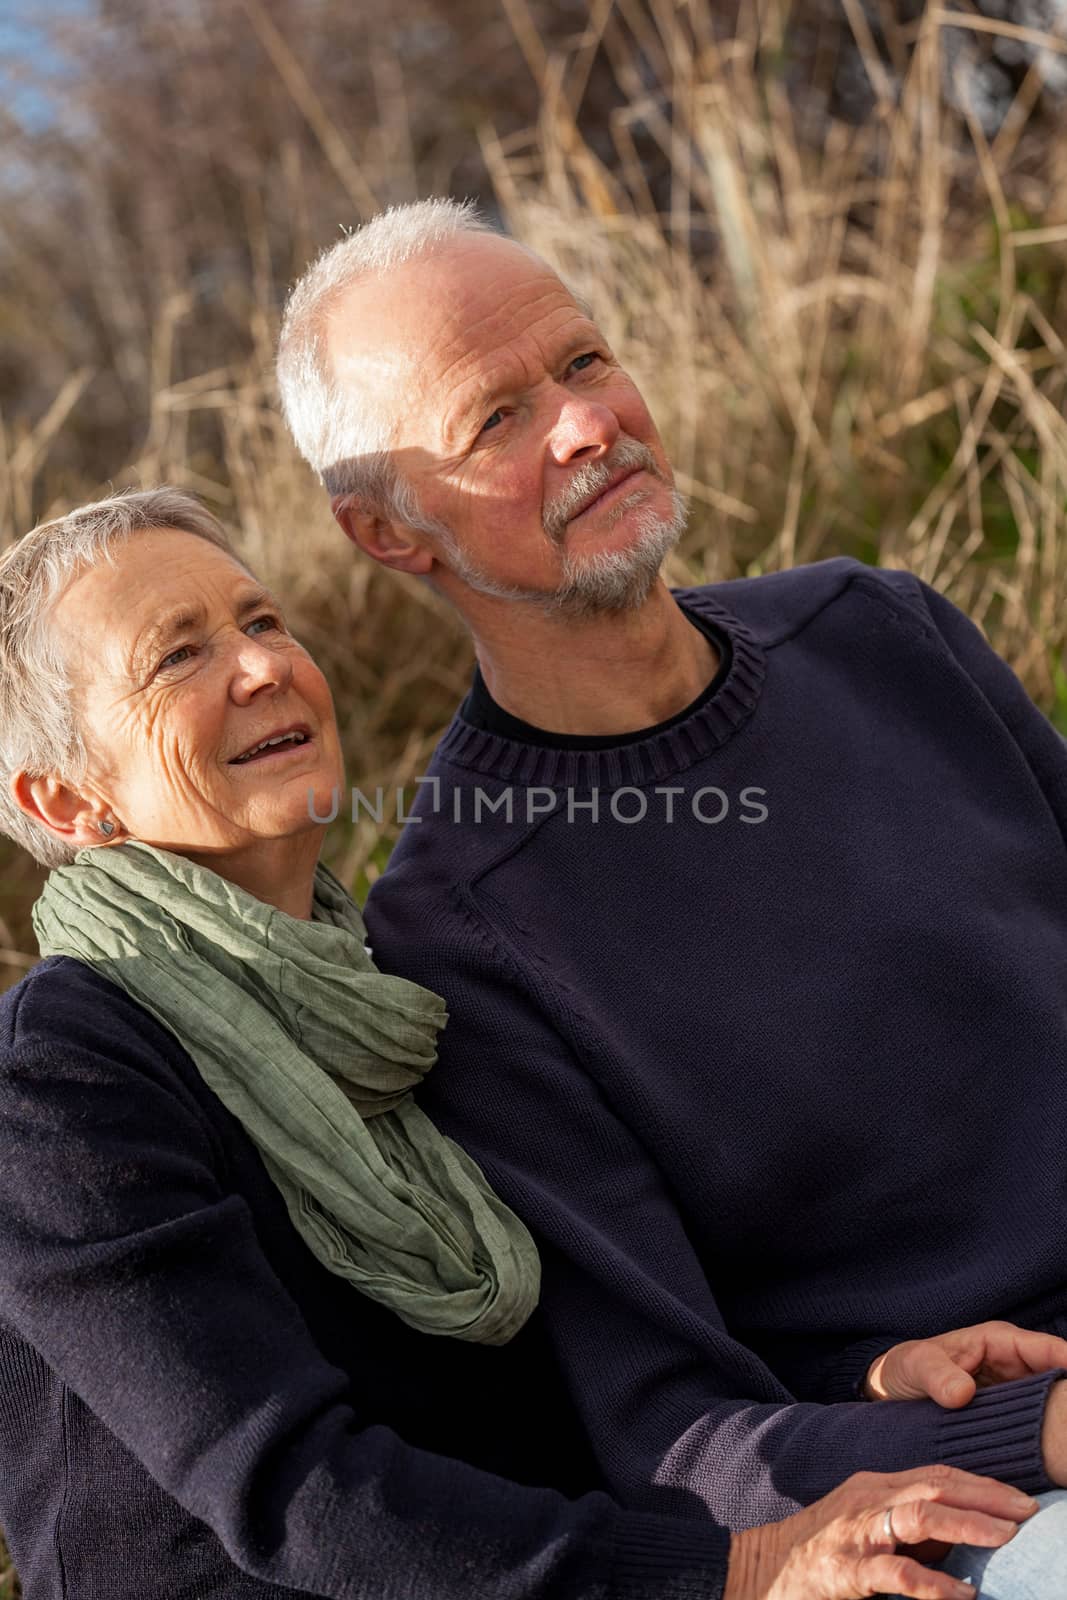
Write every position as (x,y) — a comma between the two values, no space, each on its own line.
(952,1366)
(840,1548)
(1054,1435)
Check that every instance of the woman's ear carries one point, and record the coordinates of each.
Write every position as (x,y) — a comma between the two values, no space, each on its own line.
(392,544)
(76,819)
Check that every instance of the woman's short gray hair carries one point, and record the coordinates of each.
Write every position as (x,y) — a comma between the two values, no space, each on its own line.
(346,437)
(39,731)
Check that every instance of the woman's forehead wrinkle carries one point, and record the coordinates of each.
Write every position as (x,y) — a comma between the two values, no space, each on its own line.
(72,619)
(156,631)
(128,613)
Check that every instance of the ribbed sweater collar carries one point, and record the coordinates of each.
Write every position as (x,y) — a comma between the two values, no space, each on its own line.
(647,760)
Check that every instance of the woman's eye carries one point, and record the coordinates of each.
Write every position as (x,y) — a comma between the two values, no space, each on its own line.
(272,622)
(178,657)
(174,658)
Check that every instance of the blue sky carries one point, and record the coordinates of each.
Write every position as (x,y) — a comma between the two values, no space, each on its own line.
(24,52)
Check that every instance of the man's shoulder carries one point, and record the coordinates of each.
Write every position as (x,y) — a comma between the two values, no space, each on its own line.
(775,606)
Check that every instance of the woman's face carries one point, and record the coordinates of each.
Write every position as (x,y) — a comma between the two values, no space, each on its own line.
(182,664)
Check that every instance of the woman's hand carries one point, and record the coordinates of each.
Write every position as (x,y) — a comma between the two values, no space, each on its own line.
(951,1366)
(841,1548)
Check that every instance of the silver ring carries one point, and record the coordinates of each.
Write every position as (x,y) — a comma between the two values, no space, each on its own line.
(889,1534)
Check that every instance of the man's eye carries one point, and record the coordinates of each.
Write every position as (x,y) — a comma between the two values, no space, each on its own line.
(271,621)
(585,360)
(494,421)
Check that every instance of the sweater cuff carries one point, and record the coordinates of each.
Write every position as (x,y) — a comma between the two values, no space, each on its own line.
(999,1433)
(843,1379)
(668,1558)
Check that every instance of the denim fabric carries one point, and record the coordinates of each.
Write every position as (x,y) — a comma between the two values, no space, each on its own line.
(1032,1567)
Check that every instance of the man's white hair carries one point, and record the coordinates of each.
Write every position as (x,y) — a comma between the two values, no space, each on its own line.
(39,727)
(346,436)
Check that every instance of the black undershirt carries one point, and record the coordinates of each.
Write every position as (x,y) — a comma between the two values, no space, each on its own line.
(482,711)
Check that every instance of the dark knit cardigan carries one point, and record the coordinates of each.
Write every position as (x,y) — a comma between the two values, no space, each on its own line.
(192,1408)
(770,1049)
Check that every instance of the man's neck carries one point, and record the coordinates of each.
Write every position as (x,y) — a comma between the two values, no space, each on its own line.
(615,673)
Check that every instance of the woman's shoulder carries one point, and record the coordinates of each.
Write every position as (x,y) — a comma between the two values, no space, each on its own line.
(76,1051)
(66,1002)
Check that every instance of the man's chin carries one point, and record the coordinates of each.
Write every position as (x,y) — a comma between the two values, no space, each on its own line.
(601,593)
(615,579)
(602,582)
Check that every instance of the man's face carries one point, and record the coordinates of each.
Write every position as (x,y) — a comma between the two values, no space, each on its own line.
(515,425)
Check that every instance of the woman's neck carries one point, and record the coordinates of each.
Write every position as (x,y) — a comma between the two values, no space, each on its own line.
(280,872)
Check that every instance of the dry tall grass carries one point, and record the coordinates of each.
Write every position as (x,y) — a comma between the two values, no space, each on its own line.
(853,338)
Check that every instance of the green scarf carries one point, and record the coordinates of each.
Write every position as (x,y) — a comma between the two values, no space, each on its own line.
(316,1052)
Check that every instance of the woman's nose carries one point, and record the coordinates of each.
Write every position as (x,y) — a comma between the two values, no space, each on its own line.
(258,666)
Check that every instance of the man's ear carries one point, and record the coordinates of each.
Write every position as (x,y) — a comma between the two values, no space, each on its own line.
(72,817)
(393,544)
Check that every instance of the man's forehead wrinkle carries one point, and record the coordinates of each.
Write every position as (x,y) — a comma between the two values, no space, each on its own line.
(466,325)
(474,376)
(478,337)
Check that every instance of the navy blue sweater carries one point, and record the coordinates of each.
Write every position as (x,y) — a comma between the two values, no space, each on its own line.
(191,1405)
(773,1057)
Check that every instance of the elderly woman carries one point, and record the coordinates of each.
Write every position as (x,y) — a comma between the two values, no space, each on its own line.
(228,1237)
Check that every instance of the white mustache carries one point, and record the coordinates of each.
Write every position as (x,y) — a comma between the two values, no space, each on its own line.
(592,479)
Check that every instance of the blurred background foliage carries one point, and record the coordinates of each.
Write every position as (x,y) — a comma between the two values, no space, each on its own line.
(830,240)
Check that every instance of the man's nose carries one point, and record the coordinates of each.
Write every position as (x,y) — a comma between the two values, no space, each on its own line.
(583,431)
(258,666)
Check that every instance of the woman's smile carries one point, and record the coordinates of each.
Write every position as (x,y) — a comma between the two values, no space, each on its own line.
(274,746)
(212,730)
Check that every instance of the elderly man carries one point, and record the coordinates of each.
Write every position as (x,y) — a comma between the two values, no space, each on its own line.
(749,903)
